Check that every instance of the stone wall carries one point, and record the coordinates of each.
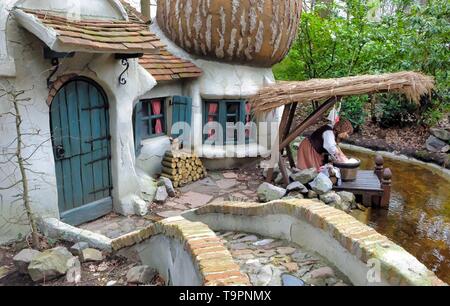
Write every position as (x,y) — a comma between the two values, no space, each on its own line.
(185,253)
(354,248)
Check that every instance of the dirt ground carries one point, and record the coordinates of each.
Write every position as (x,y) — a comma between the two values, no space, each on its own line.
(111,271)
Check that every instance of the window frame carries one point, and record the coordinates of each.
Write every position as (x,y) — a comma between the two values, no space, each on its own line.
(222,117)
(150,118)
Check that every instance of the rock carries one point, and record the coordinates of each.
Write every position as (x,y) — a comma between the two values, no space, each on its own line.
(296,186)
(312,194)
(249,238)
(50,264)
(23,259)
(294,196)
(169,186)
(321,184)
(290,280)
(445,149)
(264,276)
(263,242)
(161,194)
(111,283)
(3,271)
(361,207)
(344,206)
(78,247)
(441,134)
(140,207)
(434,144)
(73,270)
(305,176)
(291,266)
(141,275)
(322,273)
(268,192)
(331,198)
(347,197)
(279,178)
(88,255)
(286,250)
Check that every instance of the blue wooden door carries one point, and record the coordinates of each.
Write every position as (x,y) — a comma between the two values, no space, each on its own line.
(81,143)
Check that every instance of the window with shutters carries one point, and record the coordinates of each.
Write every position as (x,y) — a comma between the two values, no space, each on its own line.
(228,113)
(152,118)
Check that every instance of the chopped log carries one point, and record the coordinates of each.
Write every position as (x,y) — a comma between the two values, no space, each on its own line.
(169,165)
(169,171)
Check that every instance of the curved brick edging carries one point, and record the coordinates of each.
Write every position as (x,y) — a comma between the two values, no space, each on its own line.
(56,86)
(214,263)
(348,243)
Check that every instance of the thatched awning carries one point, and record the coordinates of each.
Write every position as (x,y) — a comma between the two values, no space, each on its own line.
(411,84)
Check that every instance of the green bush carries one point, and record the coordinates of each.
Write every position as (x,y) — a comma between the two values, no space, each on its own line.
(353,110)
(395,111)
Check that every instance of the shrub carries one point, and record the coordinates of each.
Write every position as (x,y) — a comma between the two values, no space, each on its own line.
(353,109)
(395,111)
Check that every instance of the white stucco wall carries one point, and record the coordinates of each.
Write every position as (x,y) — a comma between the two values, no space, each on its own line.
(170,258)
(32,71)
(7,65)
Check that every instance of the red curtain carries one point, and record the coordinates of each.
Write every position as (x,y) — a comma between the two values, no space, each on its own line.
(156,110)
(213,109)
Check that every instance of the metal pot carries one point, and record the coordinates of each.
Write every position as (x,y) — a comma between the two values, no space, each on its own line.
(348,171)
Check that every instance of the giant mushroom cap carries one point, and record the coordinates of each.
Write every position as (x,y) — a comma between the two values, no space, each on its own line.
(252,32)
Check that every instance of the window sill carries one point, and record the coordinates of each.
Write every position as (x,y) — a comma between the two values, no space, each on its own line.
(233,151)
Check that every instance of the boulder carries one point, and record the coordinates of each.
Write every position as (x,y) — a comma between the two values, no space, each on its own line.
(294,196)
(291,280)
(73,274)
(24,258)
(50,264)
(312,194)
(434,144)
(331,198)
(305,176)
(268,192)
(321,184)
(88,255)
(344,206)
(141,275)
(442,134)
(161,194)
(347,196)
(296,186)
(169,186)
(78,247)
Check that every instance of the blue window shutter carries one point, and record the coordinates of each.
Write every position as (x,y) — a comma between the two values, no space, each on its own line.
(137,128)
(181,111)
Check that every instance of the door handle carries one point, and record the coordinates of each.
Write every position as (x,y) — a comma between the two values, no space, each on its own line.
(59,150)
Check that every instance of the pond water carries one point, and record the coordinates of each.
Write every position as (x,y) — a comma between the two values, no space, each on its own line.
(418,218)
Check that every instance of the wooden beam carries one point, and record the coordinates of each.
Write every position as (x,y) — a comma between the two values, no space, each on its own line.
(313,118)
(283,171)
(286,133)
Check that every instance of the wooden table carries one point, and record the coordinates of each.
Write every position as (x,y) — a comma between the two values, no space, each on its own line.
(367,186)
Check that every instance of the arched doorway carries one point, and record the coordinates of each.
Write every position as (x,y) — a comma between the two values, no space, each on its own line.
(82,151)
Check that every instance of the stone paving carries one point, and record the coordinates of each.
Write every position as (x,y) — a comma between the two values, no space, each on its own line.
(216,187)
(113,225)
(271,262)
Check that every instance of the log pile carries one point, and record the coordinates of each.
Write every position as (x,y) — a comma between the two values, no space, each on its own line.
(182,168)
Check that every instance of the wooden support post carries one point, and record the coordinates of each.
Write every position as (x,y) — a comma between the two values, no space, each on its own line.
(283,123)
(286,133)
(379,165)
(283,171)
(386,186)
(313,118)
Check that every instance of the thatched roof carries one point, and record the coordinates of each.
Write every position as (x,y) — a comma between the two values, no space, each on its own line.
(411,84)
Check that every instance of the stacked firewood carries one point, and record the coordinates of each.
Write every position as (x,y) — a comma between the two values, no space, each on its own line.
(182,168)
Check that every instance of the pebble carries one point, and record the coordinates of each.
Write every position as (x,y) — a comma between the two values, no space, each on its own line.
(263,242)
(290,280)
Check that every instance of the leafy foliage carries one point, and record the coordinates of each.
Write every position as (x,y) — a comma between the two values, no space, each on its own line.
(343,38)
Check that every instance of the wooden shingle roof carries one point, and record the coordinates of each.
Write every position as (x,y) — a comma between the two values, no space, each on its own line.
(99,35)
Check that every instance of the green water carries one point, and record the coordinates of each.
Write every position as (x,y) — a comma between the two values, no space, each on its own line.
(418,218)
